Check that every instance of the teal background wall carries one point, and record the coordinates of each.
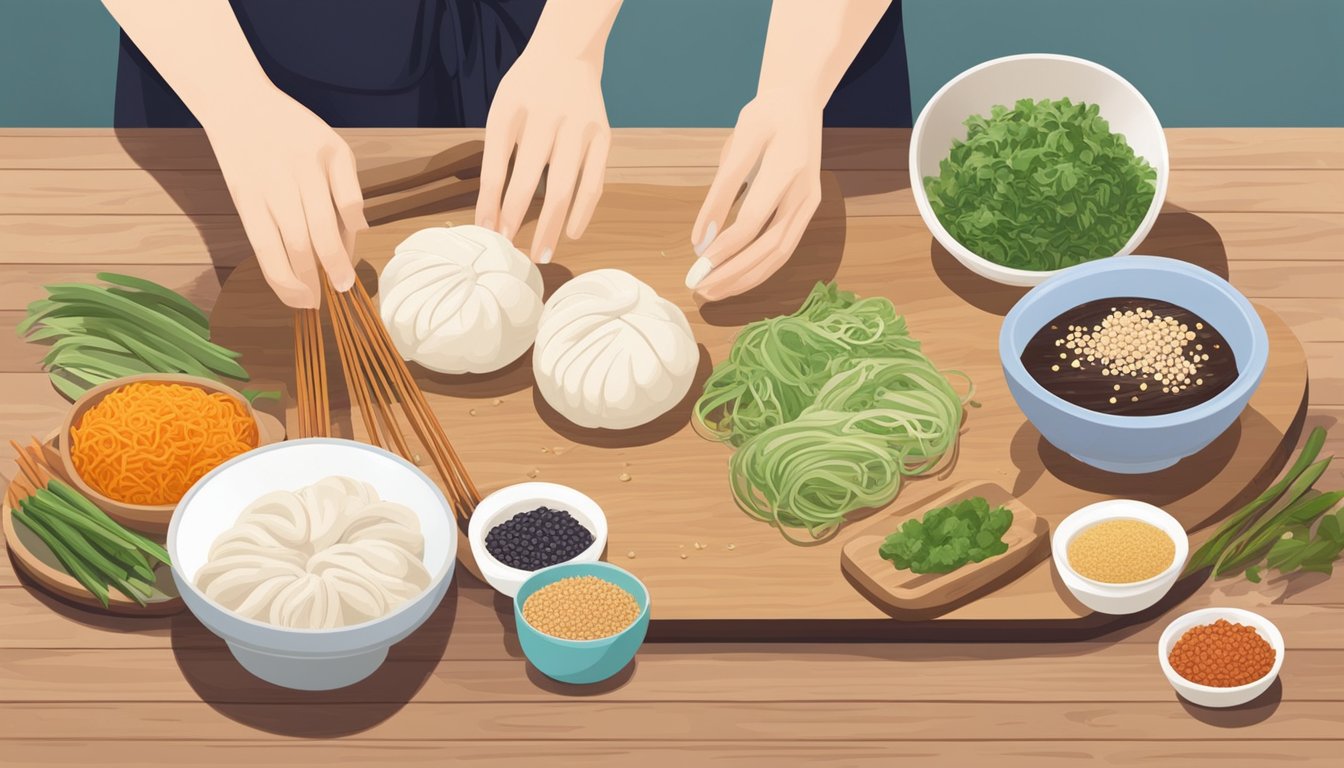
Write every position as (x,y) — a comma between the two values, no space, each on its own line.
(694,62)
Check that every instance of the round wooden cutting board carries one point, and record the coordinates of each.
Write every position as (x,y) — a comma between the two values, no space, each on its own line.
(712,570)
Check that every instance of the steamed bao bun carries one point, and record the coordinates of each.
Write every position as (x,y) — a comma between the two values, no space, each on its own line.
(611,353)
(329,555)
(460,299)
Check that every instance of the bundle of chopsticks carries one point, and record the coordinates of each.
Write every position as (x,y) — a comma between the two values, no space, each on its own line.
(380,385)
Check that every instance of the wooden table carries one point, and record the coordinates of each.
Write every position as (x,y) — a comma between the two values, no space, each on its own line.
(77,689)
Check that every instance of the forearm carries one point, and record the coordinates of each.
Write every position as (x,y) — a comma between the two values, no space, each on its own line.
(575,29)
(199,49)
(810,44)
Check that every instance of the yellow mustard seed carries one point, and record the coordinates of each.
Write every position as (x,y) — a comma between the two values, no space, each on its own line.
(581,608)
(1121,551)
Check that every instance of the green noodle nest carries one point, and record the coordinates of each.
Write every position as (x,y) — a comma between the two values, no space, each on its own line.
(829,409)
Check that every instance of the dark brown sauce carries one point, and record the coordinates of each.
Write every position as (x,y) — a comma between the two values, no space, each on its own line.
(1139,393)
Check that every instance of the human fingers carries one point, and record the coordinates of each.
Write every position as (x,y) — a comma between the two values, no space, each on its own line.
(534,150)
(758,261)
(288,214)
(562,173)
(348,198)
(270,250)
(739,156)
(324,231)
(590,185)
(763,197)
(501,136)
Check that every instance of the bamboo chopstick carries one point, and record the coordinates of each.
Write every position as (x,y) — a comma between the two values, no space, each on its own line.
(310,374)
(381,388)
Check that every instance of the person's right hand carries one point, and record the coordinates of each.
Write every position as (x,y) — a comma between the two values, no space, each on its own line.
(292,179)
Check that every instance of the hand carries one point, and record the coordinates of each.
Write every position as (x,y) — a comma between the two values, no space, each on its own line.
(550,109)
(779,135)
(293,182)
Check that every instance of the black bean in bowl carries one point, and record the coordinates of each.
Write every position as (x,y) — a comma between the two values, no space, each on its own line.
(539,538)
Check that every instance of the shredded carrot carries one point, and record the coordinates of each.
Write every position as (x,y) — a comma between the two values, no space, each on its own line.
(148,443)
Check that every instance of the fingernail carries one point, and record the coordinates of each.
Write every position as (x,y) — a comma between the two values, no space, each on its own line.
(710,232)
(488,223)
(546,256)
(699,270)
(345,283)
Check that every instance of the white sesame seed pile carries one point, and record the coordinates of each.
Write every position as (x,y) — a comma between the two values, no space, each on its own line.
(1140,344)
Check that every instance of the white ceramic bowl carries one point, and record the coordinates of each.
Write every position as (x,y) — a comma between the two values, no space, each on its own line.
(514,499)
(308,659)
(1036,76)
(1207,695)
(1118,598)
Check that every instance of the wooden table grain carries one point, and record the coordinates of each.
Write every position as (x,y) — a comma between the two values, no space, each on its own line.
(79,689)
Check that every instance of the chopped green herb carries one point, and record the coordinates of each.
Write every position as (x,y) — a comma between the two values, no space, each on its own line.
(949,537)
(1042,186)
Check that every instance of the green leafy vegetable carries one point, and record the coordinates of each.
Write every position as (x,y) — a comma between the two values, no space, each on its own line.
(829,408)
(949,537)
(1042,186)
(1290,527)
(136,326)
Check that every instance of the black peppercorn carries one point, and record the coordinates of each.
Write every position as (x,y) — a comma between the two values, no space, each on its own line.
(542,537)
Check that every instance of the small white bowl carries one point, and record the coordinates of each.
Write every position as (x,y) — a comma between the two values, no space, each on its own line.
(309,659)
(1118,599)
(1035,76)
(524,497)
(1208,695)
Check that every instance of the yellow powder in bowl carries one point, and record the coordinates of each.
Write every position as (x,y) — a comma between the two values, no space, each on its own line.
(1121,551)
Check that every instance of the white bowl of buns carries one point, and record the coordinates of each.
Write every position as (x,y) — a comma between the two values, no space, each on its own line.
(311,558)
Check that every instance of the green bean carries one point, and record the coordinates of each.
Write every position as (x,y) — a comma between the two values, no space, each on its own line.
(133,559)
(125,587)
(85,342)
(113,363)
(166,295)
(67,558)
(207,353)
(153,322)
(65,386)
(155,304)
(76,499)
(47,505)
(165,361)
(74,540)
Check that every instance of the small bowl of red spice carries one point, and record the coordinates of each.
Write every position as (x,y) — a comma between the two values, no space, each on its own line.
(1221,657)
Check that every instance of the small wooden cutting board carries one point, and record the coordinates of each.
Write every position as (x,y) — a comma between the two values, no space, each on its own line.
(905,594)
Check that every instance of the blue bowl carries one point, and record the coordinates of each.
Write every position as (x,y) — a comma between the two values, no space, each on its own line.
(1134,444)
(581,661)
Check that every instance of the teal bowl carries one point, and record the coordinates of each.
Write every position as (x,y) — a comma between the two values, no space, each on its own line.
(581,661)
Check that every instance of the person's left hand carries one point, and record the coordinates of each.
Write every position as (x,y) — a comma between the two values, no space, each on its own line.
(779,135)
(550,109)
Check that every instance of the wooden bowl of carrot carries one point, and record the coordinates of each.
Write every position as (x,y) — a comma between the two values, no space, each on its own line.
(135,445)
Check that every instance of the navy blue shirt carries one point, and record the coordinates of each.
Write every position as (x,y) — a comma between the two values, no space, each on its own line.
(437,63)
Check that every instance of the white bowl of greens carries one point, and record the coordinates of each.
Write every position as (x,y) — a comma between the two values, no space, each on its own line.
(1026,165)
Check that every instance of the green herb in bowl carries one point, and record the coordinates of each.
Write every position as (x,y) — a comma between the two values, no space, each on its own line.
(949,537)
(1042,186)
